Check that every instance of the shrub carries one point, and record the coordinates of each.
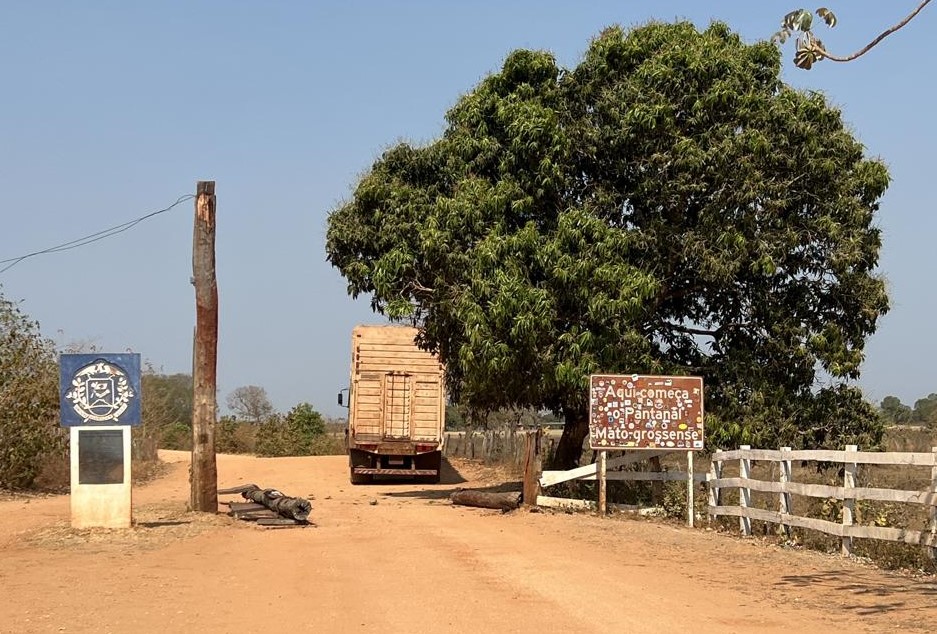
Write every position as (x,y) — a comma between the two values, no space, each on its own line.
(176,436)
(233,436)
(29,410)
(300,433)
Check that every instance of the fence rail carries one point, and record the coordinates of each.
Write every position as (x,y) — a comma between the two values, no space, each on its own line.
(848,493)
(599,472)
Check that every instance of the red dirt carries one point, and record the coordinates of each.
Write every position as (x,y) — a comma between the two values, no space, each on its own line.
(400,558)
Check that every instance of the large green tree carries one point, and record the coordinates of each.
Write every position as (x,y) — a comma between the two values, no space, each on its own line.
(667,206)
(29,399)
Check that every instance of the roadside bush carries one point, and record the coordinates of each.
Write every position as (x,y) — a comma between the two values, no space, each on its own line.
(275,438)
(300,433)
(30,434)
(176,436)
(328,445)
(233,436)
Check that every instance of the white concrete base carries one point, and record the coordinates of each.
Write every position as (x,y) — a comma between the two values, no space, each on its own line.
(100,505)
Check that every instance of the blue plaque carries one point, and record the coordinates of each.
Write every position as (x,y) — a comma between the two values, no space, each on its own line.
(99,389)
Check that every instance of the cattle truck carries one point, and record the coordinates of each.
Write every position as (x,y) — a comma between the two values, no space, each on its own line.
(396,406)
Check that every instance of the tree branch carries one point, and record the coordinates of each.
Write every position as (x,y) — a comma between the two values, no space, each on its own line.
(416,286)
(822,52)
(692,331)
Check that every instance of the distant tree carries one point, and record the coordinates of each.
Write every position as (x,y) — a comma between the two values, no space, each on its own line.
(668,206)
(895,412)
(925,410)
(251,403)
(811,50)
(29,398)
(306,421)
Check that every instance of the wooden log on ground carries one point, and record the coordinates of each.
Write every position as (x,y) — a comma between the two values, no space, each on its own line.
(284,505)
(486,500)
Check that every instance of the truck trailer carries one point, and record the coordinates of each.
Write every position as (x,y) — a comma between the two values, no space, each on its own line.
(396,406)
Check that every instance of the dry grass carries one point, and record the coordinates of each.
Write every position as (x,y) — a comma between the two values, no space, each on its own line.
(672,499)
(154,526)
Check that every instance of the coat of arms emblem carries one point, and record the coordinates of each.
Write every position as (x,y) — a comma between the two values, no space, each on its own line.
(100,392)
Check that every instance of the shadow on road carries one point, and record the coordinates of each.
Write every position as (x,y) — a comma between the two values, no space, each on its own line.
(449,476)
(443,494)
(848,582)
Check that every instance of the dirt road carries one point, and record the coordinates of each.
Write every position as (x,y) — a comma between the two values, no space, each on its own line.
(399,558)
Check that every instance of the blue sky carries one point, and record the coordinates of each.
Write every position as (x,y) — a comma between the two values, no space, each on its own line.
(111,110)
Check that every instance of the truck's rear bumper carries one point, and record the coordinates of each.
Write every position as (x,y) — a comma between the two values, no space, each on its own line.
(395,472)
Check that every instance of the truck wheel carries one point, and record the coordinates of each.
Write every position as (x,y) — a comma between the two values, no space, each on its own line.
(431,461)
(360,478)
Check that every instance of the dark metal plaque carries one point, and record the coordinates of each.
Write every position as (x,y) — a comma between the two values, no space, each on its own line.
(101,456)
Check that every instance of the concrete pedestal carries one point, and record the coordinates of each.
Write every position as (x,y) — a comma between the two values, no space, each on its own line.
(101,493)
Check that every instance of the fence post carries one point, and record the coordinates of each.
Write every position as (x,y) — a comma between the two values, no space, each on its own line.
(784,498)
(600,473)
(933,506)
(532,465)
(745,494)
(690,510)
(715,494)
(849,500)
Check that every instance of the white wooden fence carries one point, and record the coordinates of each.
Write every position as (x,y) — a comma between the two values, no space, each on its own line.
(599,471)
(848,493)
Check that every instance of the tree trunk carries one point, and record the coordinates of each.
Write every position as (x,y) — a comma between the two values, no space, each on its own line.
(484,499)
(569,449)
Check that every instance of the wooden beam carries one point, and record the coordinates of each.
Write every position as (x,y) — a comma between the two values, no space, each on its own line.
(921,459)
(204,472)
(485,499)
(603,483)
(745,494)
(532,466)
(849,499)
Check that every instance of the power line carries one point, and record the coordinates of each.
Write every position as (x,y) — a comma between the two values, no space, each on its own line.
(94,237)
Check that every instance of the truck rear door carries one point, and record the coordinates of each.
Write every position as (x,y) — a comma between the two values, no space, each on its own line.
(397,406)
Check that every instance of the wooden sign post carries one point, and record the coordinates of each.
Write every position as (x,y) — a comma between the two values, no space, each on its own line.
(640,412)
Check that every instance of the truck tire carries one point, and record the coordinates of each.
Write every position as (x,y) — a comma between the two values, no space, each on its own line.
(359,478)
(357,458)
(430,461)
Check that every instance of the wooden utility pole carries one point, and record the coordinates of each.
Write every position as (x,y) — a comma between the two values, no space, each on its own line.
(204,472)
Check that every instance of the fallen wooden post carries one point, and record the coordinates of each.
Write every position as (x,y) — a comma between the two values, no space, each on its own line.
(284,505)
(486,500)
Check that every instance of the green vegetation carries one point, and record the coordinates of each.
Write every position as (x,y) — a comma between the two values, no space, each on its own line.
(29,401)
(923,414)
(668,206)
(301,432)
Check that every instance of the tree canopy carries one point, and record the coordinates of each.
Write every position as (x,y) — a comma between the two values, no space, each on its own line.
(250,402)
(667,206)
